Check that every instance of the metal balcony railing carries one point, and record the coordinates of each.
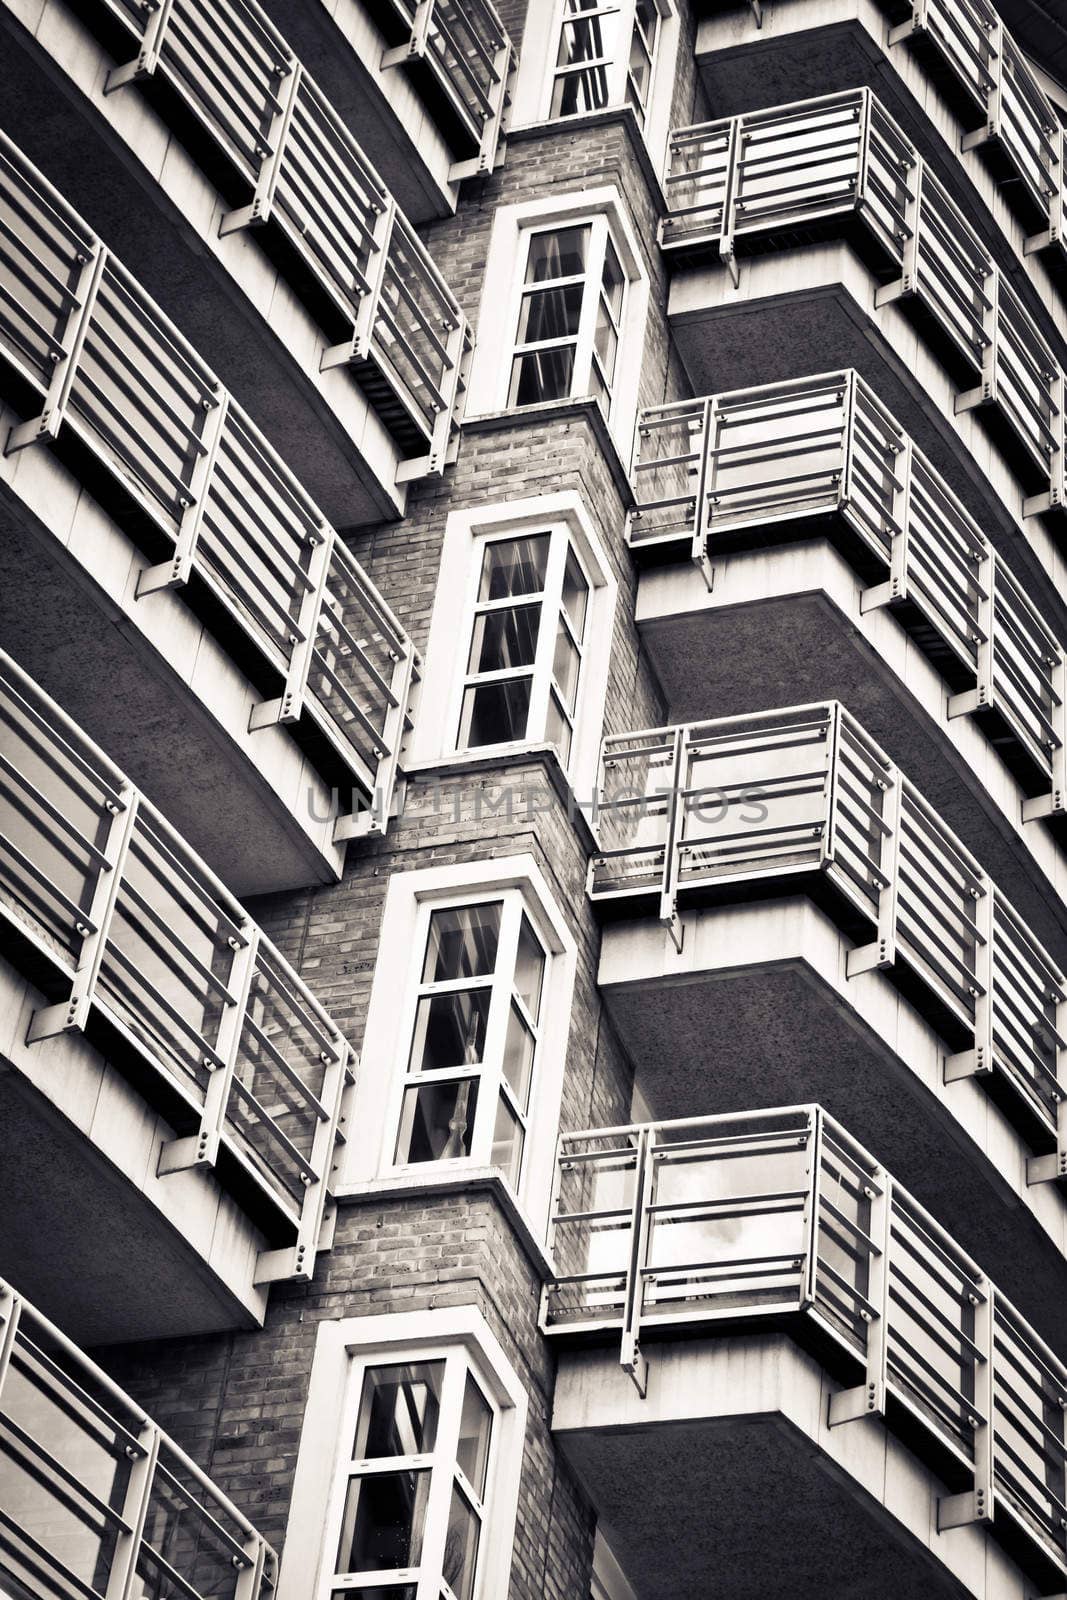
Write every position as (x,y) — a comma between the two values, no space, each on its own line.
(77,330)
(970,39)
(771,463)
(466,48)
(406,336)
(804,799)
(109,910)
(781,1214)
(797,170)
(96,1501)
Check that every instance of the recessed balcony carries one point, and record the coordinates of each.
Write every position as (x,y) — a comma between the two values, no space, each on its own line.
(783,906)
(724,481)
(873,1412)
(212,520)
(131,965)
(338,272)
(839,168)
(95,1498)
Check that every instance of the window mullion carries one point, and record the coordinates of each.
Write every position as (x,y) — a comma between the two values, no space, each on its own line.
(435,1532)
(536,726)
(621,65)
(581,378)
(496,1030)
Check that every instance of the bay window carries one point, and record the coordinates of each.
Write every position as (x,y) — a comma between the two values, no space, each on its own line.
(527,639)
(569,315)
(474,1036)
(605,54)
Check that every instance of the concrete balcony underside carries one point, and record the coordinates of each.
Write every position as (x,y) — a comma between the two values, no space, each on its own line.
(137,186)
(164,1256)
(761,333)
(804,50)
(154,685)
(785,623)
(728,1478)
(758,1010)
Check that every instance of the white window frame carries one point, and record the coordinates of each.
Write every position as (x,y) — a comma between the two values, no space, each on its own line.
(617,69)
(489,1074)
(489,381)
(368,1161)
(536,77)
(344,1350)
(437,724)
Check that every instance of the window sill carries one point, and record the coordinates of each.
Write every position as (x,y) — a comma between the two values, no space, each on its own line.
(586,409)
(507,758)
(623,116)
(412,1185)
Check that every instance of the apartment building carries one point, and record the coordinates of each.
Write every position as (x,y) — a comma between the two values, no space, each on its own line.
(533,787)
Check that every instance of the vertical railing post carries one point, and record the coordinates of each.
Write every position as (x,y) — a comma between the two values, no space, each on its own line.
(178,569)
(675,802)
(271,155)
(73,1013)
(201,1149)
(848,444)
(809,1264)
(985,392)
(868,1398)
(977,1504)
(910,244)
(143,1457)
(289,706)
(631,1357)
(978,1061)
(980,698)
(895,588)
(146,61)
(64,357)
(704,496)
(882,953)
(10,1313)
(358,346)
(730,204)
(831,787)
(297,1261)
(994,105)
(253,1568)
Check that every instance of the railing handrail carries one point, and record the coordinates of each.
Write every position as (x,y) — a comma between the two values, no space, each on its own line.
(622,1295)
(203,493)
(253,951)
(17,1315)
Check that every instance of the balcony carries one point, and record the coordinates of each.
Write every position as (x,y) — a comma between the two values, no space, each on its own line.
(729,475)
(839,167)
(95,1499)
(745,1268)
(213,512)
(281,162)
(132,943)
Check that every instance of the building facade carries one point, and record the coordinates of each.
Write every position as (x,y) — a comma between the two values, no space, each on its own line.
(533,794)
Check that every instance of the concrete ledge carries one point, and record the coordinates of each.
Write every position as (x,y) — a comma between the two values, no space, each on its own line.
(163,1257)
(728,1478)
(756,1011)
(782,626)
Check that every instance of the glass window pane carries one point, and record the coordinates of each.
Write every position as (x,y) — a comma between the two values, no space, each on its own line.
(475,1425)
(505,638)
(557,728)
(507,1143)
(450,1030)
(613,282)
(605,343)
(557,253)
(495,713)
(462,943)
(585,89)
(646,17)
(383,1522)
(589,38)
(550,313)
(541,375)
(575,594)
(398,1410)
(519,1057)
(565,664)
(514,567)
(529,969)
(461,1546)
(437,1122)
